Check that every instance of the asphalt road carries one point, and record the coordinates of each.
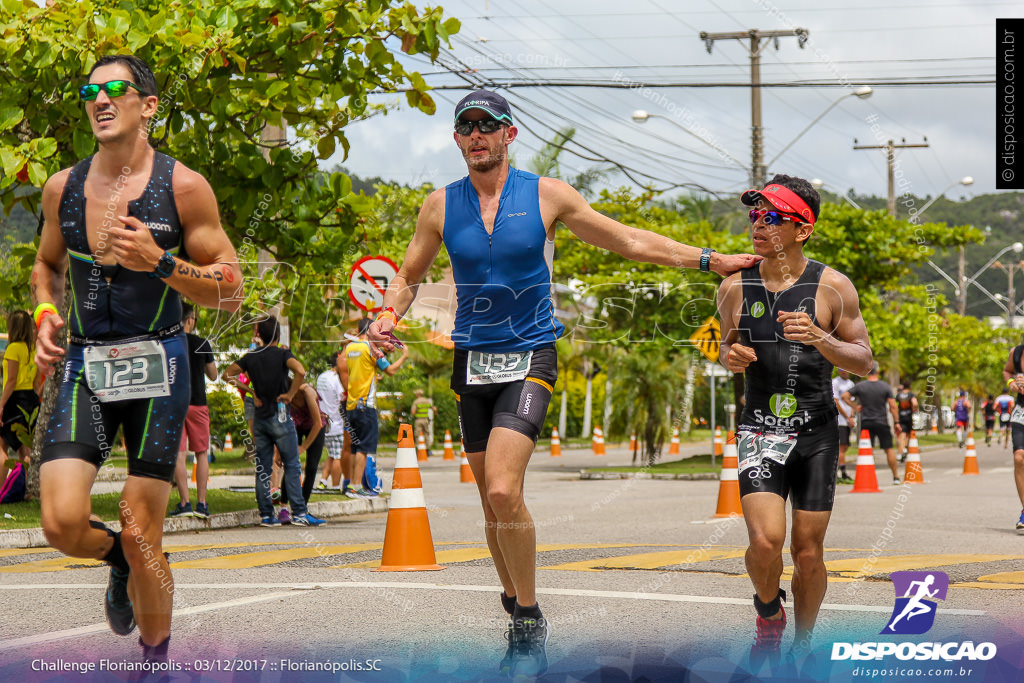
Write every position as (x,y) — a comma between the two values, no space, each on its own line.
(635,577)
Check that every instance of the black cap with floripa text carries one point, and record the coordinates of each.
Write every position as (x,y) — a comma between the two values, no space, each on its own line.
(486,101)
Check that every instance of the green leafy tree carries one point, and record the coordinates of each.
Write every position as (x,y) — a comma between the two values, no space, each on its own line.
(226,72)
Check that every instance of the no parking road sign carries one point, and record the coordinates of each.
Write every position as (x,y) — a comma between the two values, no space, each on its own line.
(371,276)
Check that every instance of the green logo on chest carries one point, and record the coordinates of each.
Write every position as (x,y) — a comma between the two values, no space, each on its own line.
(783,405)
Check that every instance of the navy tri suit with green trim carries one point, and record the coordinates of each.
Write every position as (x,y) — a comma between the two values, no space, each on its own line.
(111,304)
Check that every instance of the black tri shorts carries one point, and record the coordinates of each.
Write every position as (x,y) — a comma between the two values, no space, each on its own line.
(809,475)
(83,427)
(520,405)
(1017,436)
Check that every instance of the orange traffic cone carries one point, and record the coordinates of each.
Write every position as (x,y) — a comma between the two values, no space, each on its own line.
(729,480)
(718,442)
(556,443)
(408,545)
(449,452)
(421,449)
(227,442)
(913,474)
(971,456)
(866,481)
(673,446)
(195,466)
(598,443)
(465,471)
(935,426)
(632,442)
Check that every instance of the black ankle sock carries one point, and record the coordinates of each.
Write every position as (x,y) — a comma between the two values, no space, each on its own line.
(531,612)
(155,652)
(508,603)
(769,609)
(115,557)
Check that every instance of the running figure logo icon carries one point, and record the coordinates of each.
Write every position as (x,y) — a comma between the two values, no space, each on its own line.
(783,405)
(916,595)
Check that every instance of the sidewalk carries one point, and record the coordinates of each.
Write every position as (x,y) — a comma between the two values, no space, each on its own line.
(34,538)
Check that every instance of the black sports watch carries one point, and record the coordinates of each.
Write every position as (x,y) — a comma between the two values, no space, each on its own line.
(705,259)
(164,267)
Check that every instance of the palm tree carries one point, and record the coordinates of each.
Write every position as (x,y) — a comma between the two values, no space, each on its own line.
(646,381)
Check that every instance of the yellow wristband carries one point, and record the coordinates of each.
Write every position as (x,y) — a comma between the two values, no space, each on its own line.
(1010,381)
(387,311)
(42,310)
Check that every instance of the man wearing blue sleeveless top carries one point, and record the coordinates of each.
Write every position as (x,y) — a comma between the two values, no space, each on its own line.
(785,323)
(498,224)
(126,216)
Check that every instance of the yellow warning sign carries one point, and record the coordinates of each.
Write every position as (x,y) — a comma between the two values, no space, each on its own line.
(708,339)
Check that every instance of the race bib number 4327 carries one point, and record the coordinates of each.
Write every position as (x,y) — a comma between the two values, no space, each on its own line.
(497,368)
(120,372)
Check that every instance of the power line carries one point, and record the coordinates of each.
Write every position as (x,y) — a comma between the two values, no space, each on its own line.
(965,80)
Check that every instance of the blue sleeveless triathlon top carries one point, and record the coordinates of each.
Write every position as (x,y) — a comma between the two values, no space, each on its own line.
(131,303)
(789,386)
(503,280)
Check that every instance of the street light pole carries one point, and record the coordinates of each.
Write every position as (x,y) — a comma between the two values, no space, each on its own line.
(818,183)
(965,181)
(862,92)
(642,115)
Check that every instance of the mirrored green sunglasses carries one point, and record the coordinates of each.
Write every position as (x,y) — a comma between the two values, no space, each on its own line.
(89,92)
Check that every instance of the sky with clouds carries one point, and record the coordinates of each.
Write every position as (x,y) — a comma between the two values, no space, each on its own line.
(700,136)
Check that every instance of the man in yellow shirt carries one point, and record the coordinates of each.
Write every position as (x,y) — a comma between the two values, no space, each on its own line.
(359,374)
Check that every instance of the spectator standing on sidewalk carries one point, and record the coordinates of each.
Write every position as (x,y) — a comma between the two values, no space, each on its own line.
(195,436)
(268,368)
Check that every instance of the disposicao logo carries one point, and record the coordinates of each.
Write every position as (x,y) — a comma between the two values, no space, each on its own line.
(914,613)
(916,595)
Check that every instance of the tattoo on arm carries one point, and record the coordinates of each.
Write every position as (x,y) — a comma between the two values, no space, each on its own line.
(189,270)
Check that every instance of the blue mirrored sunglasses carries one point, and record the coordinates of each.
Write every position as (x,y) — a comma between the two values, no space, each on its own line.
(770,217)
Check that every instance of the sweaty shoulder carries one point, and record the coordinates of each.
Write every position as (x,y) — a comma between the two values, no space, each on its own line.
(188,182)
(832,277)
(432,211)
(54,186)
(553,189)
(560,200)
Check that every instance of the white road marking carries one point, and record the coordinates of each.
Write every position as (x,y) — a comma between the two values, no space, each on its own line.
(295,589)
(27,641)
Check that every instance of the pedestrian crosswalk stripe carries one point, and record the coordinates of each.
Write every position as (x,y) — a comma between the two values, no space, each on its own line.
(852,569)
(650,560)
(267,557)
(456,556)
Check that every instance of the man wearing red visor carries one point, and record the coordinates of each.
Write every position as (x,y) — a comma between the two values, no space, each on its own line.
(785,323)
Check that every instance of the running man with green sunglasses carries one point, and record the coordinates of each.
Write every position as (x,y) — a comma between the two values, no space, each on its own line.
(122,216)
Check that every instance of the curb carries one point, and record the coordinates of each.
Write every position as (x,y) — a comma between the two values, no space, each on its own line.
(34,538)
(697,476)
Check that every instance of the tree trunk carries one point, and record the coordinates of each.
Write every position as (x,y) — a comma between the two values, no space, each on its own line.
(686,423)
(562,416)
(587,405)
(606,421)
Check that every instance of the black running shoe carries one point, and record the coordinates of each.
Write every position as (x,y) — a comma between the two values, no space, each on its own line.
(526,655)
(117,605)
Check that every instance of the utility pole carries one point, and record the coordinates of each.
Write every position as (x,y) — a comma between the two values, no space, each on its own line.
(757,169)
(890,156)
(961,277)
